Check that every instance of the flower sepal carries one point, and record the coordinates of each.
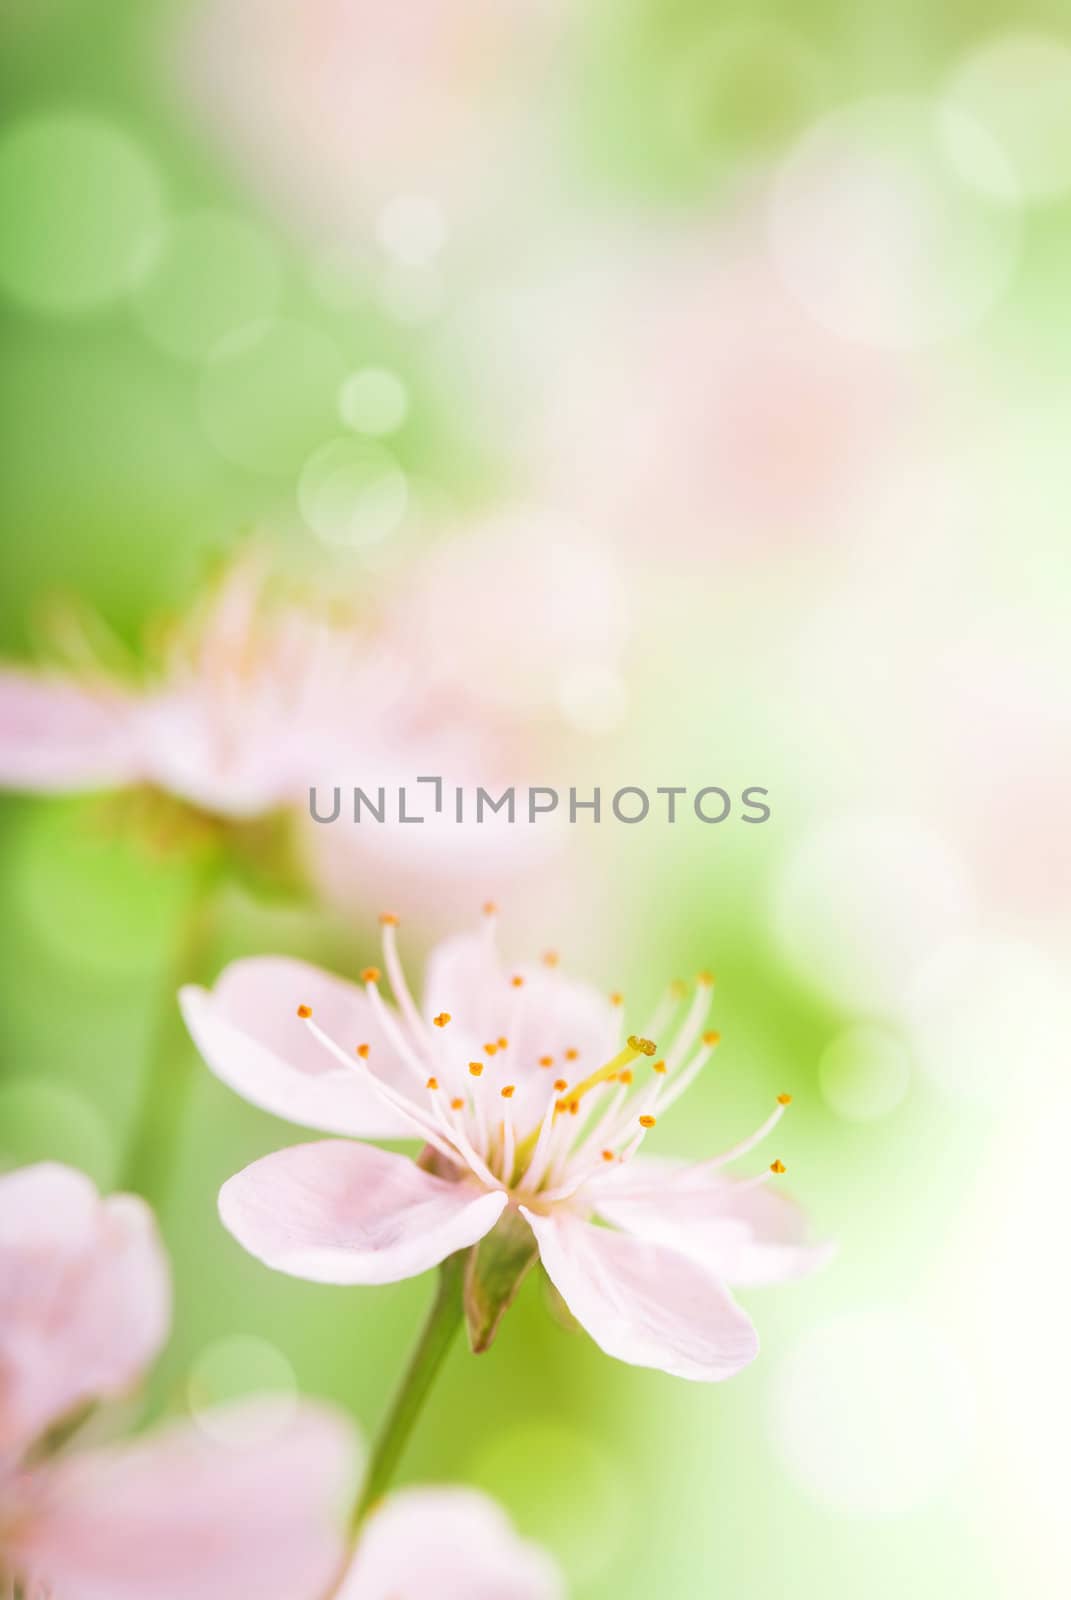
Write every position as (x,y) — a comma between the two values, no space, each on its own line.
(494,1272)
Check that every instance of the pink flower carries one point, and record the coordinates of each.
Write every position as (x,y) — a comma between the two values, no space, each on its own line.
(532,1108)
(263,697)
(86,1307)
(252,689)
(454,1544)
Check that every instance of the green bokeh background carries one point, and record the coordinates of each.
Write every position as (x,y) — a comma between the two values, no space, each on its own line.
(112,489)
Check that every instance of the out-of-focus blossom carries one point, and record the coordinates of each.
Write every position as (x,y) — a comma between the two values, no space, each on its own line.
(86,1297)
(335,107)
(452,1543)
(252,688)
(501,634)
(703,409)
(265,692)
(430,866)
(532,1106)
(513,611)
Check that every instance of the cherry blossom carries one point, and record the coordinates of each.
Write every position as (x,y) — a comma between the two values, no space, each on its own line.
(532,1103)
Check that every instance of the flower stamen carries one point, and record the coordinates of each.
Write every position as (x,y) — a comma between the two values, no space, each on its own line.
(393,1098)
(607,1073)
(396,973)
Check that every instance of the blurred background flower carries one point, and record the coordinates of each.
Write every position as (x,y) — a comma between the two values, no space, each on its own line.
(251,1492)
(690,383)
(235,1496)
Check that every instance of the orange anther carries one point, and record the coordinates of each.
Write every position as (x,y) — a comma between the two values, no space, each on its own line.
(362,1051)
(475,1067)
(647,1121)
(442,1019)
(304,1012)
(777,1166)
(370,975)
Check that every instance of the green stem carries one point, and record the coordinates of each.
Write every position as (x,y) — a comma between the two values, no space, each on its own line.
(444,1319)
(165,1085)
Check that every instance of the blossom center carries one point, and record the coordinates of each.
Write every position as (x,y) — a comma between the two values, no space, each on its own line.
(471,1112)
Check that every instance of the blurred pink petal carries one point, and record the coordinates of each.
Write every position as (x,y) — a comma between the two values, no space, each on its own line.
(644,1303)
(86,1298)
(455,1544)
(246,696)
(332,106)
(178,1516)
(526,591)
(256,686)
(262,693)
(700,399)
(743,1234)
(439,868)
(248,1031)
(59,734)
(336,1212)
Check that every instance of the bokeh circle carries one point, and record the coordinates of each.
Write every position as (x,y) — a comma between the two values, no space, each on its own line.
(80,204)
(896,222)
